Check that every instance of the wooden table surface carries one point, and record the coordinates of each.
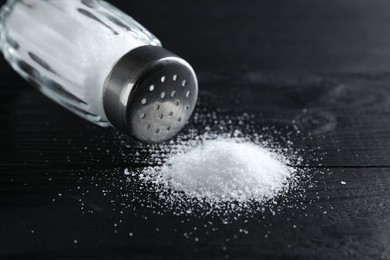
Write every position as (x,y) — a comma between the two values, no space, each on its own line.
(321,67)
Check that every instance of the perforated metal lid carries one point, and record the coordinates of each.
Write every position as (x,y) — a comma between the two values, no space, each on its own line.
(150,94)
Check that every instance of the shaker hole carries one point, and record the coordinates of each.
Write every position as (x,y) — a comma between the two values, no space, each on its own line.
(142,115)
(177,102)
(175,77)
(184,83)
(173,94)
(144,101)
(157,107)
(157,131)
(170,114)
(179,119)
(187,107)
(161,116)
(163,79)
(163,94)
(188,94)
(169,128)
(147,127)
(151,88)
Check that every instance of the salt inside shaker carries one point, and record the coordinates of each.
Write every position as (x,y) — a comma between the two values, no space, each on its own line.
(98,62)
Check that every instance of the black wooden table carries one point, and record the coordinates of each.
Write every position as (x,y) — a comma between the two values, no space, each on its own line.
(321,67)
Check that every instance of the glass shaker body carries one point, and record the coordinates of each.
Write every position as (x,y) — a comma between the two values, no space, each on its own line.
(67,48)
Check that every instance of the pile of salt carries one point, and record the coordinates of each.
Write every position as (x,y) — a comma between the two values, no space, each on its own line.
(224,170)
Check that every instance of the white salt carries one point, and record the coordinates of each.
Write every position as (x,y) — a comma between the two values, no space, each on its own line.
(224,170)
(81,50)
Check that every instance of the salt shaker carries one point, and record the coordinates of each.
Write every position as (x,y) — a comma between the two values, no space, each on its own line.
(101,64)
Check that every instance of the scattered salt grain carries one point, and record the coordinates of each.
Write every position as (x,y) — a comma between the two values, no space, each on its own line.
(213,168)
(343,183)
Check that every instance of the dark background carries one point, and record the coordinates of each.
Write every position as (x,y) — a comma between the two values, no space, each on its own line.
(319,66)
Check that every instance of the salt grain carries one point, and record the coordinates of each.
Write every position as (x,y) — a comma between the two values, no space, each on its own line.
(213,169)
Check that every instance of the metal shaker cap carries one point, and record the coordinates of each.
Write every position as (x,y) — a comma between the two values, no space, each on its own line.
(150,94)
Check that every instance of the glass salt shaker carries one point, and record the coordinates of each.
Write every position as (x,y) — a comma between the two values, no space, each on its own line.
(99,63)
